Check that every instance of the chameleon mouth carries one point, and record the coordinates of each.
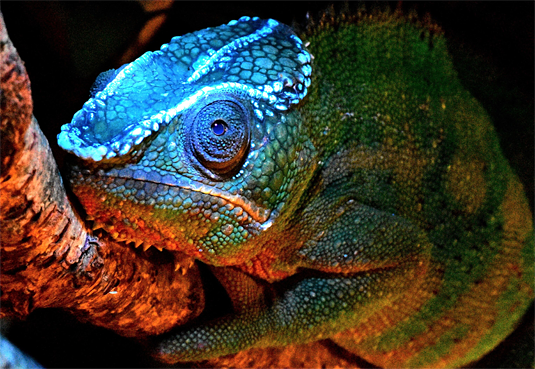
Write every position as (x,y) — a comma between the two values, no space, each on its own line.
(257,213)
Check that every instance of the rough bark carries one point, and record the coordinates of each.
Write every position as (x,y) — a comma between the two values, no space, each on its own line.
(51,259)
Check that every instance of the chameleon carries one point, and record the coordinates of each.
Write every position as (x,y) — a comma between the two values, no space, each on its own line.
(341,184)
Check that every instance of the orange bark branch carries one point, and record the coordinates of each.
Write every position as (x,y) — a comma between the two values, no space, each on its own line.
(49,257)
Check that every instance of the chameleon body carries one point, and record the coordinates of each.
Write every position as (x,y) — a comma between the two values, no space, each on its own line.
(348,189)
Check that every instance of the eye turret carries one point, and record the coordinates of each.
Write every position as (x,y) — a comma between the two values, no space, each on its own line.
(219,135)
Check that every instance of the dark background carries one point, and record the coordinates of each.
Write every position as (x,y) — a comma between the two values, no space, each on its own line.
(65,45)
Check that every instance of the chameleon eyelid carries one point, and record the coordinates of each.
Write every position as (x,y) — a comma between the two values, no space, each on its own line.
(221,154)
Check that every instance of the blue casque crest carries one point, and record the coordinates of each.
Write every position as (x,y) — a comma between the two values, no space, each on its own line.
(263,58)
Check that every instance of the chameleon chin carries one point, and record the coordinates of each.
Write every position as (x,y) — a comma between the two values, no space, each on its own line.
(349,160)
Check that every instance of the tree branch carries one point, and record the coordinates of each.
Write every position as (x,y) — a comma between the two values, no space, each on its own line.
(49,257)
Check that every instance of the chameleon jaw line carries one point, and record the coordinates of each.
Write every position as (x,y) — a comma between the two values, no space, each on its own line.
(259,214)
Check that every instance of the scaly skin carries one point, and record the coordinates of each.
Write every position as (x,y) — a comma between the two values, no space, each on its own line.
(380,189)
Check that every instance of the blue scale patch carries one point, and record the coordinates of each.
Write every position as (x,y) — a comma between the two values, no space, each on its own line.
(262,59)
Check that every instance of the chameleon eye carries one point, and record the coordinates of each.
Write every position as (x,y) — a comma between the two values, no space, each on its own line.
(219,135)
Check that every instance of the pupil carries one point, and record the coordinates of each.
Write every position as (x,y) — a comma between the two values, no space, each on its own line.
(219,127)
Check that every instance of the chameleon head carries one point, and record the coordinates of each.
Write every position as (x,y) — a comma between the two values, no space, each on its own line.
(195,147)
